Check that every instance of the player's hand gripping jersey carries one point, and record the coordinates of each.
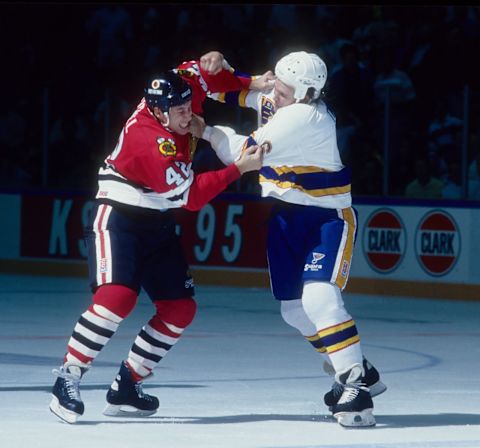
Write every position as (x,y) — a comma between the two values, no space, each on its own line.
(150,166)
(303,165)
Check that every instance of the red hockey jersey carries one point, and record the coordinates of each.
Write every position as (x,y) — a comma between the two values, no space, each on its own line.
(150,166)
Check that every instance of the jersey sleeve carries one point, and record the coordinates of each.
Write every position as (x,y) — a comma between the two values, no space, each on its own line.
(228,79)
(208,185)
(226,143)
(243,98)
(280,135)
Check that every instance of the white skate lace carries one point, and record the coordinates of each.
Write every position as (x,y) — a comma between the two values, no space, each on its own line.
(140,393)
(138,388)
(72,383)
(349,394)
(351,391)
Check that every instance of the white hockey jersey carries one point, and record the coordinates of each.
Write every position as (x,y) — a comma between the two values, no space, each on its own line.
(303,165)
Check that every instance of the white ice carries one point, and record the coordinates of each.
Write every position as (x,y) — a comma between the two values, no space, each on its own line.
(240,377)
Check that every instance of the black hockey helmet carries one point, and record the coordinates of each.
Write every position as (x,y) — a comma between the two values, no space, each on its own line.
(166,90)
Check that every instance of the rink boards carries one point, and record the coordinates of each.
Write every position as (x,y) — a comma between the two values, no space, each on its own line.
(405,248)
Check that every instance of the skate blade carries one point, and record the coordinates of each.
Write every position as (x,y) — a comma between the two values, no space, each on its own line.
(360,419)
(377,389)
(62,413)
(123,410)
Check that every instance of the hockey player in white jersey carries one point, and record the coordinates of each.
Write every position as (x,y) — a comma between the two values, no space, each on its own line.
(313,226)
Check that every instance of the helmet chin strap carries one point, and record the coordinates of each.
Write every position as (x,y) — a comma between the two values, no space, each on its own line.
(166,117)
(165,114)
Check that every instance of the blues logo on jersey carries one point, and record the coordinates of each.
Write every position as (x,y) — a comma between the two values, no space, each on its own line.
(267,110)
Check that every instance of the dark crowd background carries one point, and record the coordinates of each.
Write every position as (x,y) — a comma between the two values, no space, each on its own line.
(403,83)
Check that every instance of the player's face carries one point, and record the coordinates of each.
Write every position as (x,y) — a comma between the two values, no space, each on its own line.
(180,117)
(283,94)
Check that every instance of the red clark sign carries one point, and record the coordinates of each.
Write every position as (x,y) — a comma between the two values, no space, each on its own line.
(384,240)
(437,243)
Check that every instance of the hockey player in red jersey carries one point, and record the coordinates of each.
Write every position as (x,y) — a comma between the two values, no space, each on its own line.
(131,236)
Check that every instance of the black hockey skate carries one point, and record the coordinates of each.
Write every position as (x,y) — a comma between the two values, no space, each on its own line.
(66,401)
(372,381)
(126,398)
(355,406)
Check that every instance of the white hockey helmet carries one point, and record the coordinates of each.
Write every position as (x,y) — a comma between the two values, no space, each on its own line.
(302,70)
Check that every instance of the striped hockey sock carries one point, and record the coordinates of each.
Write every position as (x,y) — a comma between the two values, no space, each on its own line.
(91,333)
(151,345)
(158,336)
(111,304)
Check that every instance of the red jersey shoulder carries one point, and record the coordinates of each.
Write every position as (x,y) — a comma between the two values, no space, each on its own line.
(168,144)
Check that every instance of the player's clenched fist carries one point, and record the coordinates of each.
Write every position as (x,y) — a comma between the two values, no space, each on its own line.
(251,159)
(212,62)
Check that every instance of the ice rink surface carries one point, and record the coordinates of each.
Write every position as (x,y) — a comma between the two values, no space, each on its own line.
(240,377)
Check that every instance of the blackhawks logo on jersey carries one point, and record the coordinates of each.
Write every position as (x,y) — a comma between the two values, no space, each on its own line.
(167,147)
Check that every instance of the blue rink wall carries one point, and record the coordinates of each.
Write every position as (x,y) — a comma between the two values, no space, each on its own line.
(403,248)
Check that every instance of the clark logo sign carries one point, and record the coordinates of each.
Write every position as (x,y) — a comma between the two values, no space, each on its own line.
(437,243)
(384,240)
